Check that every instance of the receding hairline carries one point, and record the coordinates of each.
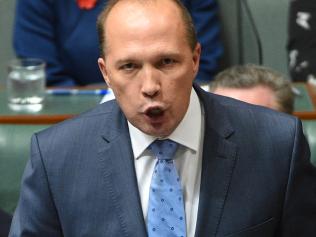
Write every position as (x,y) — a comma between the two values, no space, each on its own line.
(250,76)
(184,15)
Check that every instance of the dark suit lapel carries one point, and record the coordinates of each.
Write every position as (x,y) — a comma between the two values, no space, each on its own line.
(218,163)
(117,165)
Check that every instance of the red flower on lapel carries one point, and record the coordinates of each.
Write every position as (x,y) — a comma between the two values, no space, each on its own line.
(86,4)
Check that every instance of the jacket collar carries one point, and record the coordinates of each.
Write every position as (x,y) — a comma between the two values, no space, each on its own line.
(219,155)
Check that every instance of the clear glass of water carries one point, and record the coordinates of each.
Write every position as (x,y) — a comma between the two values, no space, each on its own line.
(26,84)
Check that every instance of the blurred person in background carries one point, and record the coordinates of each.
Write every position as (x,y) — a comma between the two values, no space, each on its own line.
(256,85)
(302,40)
(63,33)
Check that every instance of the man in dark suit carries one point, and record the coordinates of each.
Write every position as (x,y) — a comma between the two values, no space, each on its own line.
(244,170)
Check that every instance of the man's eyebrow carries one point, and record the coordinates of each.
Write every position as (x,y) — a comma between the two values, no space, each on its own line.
(125,60)
(169,55)
(157,57)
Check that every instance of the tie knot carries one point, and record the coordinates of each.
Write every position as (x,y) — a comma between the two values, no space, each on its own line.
(164,149)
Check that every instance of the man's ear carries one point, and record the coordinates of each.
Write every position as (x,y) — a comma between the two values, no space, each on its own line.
(102,67)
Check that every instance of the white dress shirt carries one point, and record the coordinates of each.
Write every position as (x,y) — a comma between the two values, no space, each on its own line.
(188,160)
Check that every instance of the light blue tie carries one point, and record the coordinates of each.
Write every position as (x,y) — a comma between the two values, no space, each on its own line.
(166,216)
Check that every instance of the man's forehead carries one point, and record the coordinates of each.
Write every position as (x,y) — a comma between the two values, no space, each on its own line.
(134,7)
(260,95)
(142,20)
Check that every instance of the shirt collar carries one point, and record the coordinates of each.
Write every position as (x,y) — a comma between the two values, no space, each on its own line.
(187,133)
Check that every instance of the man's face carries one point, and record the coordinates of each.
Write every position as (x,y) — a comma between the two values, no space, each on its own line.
(258,95)
(149,64)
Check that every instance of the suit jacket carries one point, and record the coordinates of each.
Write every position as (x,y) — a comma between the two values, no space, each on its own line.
(256,177)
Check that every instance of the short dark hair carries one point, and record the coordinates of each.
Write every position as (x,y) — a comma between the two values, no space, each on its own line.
(250,75)
(186,17)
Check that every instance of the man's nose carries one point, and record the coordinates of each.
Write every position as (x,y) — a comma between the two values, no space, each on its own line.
(150,82)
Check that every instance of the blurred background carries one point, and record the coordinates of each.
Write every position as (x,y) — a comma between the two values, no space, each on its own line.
(6,24)
(241,43)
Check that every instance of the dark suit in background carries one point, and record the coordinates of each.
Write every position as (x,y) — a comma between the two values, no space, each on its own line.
(5,222)
(256,180)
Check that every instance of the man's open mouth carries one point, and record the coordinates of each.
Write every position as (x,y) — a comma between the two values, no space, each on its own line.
(154,112)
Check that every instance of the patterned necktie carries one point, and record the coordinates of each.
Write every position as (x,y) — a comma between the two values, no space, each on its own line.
(166,216)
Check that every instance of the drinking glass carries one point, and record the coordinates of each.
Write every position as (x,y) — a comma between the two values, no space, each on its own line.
(26,84)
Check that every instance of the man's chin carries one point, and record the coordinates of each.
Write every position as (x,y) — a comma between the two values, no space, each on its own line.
(157,130)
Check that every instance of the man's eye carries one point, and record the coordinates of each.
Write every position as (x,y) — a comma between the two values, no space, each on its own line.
(167,61)
(128,66)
